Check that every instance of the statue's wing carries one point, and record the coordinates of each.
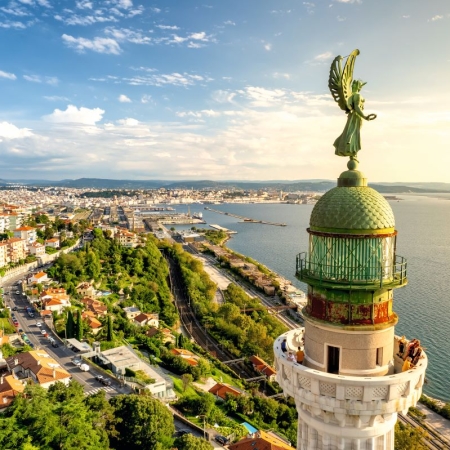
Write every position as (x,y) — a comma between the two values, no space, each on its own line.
(340,81)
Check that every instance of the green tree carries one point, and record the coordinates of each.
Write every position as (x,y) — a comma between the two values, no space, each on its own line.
(70,326)
(190,442)
(143,422)
(109,330)
(409,438)
(187,380)
(79,328)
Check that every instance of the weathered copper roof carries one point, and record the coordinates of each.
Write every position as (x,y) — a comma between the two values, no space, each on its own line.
(352,208)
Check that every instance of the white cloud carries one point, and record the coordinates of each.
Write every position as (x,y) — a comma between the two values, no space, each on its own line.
(323,57)
(128,122)
(8,75)
(124,4)
(55,98)
(437,17)
(406,16)
(98,44)
(168,27)
(124,99)
(268,47)
(38,79)
(44,3)
(73,114)
(84,4)
(229,22)
(146,99)
(127,35)
(10,131)
(309,7)
(13,24)
(348,1)
(221,96)
(279,75)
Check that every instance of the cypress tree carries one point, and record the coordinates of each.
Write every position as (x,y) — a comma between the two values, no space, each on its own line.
(109,330)
(70,325)
(79,329)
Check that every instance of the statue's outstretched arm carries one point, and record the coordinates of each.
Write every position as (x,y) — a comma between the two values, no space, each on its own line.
(357,108)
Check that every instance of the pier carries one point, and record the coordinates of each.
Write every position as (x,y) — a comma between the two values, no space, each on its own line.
(246,219)
(218,227)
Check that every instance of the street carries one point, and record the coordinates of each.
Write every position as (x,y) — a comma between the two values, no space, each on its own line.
(61,354)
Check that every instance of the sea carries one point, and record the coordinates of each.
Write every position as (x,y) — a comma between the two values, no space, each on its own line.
(423,225)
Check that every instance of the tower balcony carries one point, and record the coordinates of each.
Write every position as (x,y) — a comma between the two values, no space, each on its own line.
(365,406)
(342,275)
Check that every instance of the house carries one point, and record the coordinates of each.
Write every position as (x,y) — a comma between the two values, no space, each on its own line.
(147,319)
(36,249)
(86,290)
(166,334)
(188,356)
(9,388)
(17,249)
(53,243)
(39,366)
(261,440)
(94,306)
(126,238)
(262,367)
(39,277)
(94,324)
(222,389)
(131,312)
(55,304)
(54,292)
(28,234)
(4,223)
(4,256)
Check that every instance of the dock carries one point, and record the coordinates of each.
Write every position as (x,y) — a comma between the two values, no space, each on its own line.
(245,219)
(218,227)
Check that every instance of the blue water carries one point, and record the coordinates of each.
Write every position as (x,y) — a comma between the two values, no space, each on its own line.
(424,239)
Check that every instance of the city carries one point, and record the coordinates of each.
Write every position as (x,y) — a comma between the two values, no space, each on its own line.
(224,225)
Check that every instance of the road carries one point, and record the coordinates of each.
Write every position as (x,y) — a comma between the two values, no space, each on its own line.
(61,354)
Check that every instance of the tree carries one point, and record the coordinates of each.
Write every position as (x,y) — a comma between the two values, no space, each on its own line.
(70,326)
(409,438)
(143,422)
(187,380)
(79,329)
(190,442)
(109,330)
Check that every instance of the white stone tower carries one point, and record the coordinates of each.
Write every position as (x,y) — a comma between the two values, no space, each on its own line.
(350,386)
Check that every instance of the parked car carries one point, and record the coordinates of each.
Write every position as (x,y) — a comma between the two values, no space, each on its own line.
(221,439)
(15,308)
(180,433)
(39,324)
(18,292)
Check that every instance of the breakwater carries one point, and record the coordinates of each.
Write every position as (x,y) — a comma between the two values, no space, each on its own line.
(246,219)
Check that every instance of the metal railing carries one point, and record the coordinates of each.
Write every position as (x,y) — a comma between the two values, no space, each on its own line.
(344,273)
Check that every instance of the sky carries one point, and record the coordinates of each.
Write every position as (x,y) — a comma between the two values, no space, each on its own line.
(220,89)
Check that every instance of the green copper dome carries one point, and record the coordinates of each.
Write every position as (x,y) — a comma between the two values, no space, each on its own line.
(352,210)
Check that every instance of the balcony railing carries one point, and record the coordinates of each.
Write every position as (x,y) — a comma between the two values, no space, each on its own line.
(344,273)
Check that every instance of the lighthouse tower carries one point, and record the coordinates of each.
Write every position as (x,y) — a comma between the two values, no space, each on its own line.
(350,386)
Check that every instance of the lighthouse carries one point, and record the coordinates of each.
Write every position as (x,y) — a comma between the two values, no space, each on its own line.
(353,381)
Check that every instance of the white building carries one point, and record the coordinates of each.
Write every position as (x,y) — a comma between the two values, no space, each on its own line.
(120,358)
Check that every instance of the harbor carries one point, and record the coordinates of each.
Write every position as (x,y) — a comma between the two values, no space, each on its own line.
(218,227)
(246,219)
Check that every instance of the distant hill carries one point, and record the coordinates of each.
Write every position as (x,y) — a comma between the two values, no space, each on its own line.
(286,186)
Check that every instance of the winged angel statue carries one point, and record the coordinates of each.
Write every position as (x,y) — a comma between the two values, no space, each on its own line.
(345,92)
